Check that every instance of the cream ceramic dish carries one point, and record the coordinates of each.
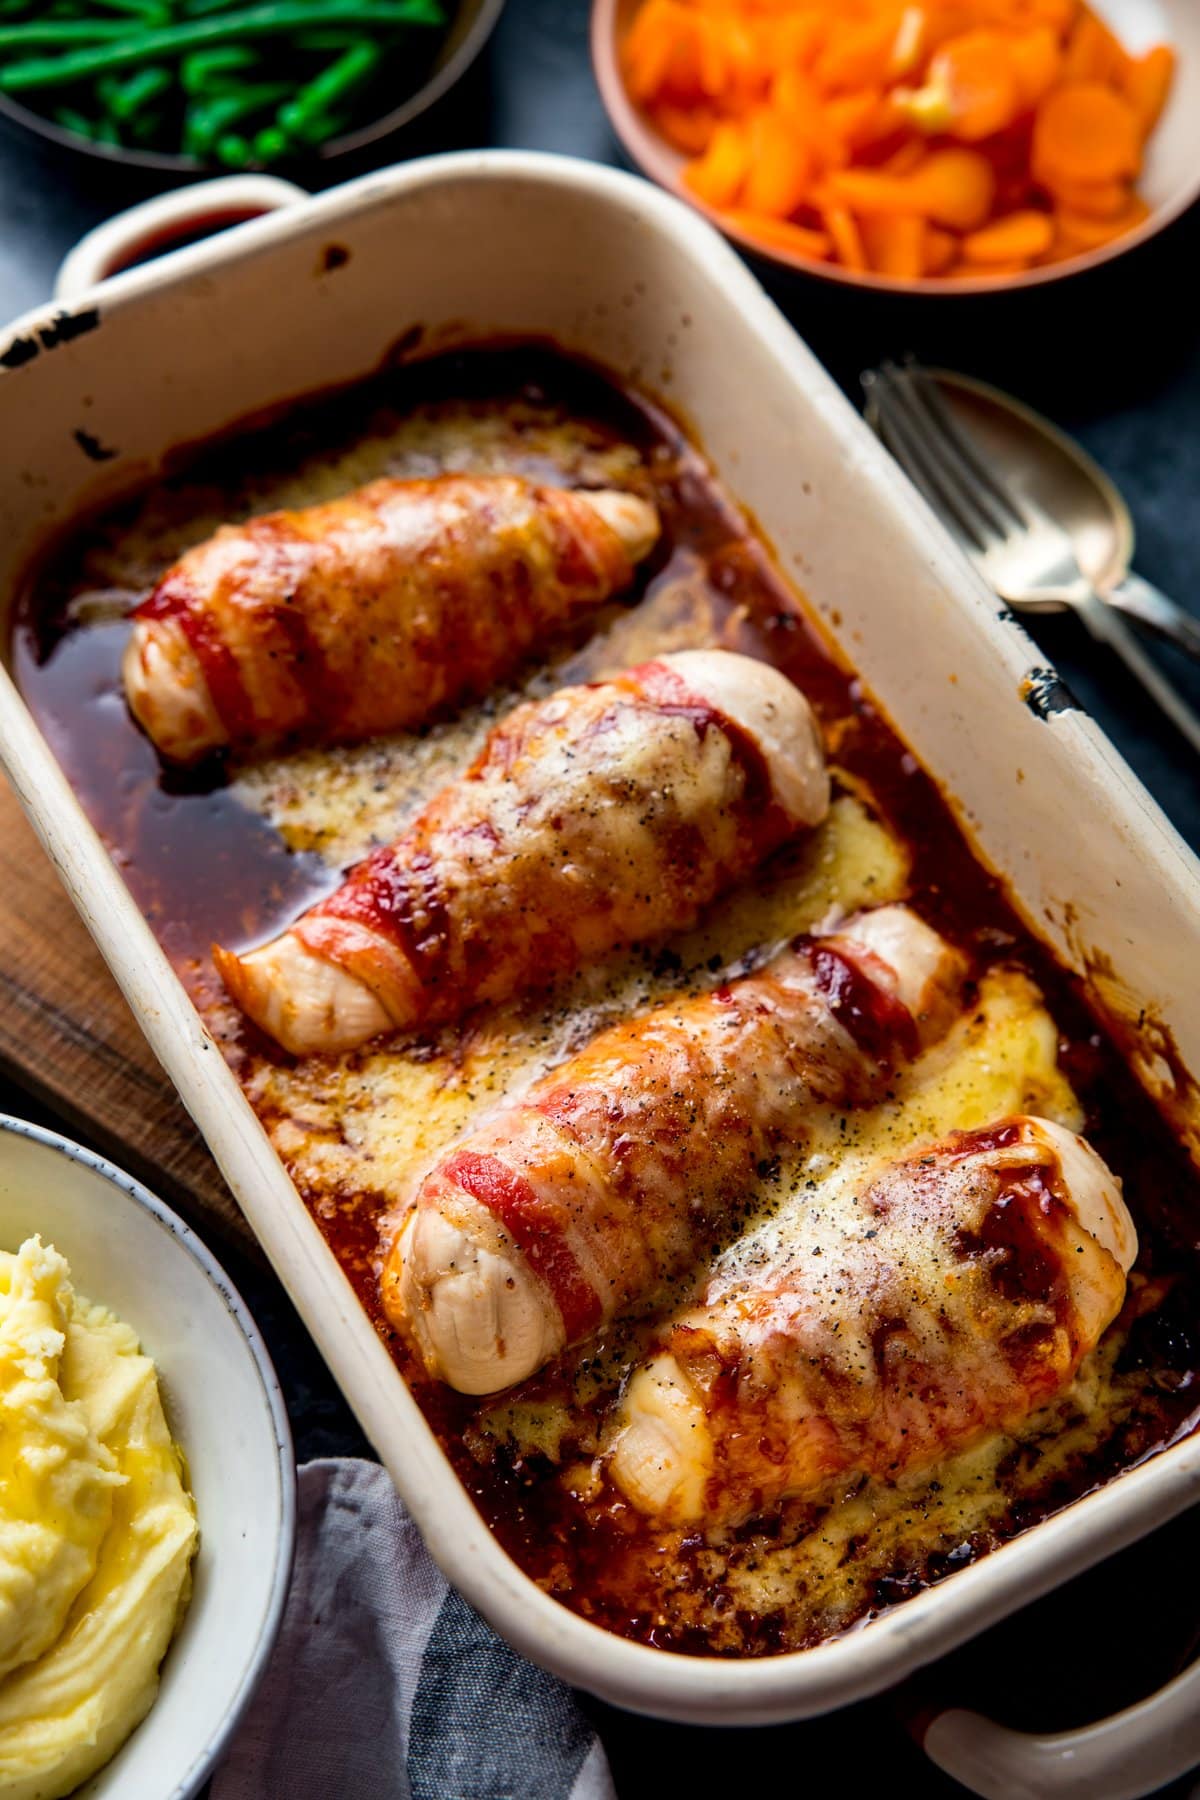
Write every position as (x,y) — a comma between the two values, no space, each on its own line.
(1169,183)
(130,1253)
(460,247)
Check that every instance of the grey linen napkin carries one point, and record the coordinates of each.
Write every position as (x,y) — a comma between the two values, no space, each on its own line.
(385,1685)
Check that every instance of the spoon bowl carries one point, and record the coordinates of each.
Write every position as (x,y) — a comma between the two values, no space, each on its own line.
(1045,465)
(1044,526)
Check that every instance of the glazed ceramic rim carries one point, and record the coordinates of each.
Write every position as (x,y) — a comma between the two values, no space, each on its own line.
(653,156)
(187,1241)
(170,162)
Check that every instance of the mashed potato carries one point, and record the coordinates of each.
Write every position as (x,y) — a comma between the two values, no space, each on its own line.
(97,1530)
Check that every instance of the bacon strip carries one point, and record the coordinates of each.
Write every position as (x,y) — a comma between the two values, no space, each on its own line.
(642,1149)
(602,816)
(371,612)
(947,1299)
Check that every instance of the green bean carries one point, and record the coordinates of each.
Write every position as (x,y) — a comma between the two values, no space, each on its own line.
(206,71)
(205,123)
(270,144)
(97,131)
(126,98)
(150,46)
(305,116)
(209,120)
(70,120)
(62,31)
(234,151)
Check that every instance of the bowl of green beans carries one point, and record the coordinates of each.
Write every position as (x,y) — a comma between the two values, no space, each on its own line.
(187,85)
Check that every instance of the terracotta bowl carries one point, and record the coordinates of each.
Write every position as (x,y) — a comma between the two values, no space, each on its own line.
(1170,180)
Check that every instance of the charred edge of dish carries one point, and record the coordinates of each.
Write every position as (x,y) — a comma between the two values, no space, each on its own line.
(19,352)
(333,256)
(1045,692)
(63,328)
(92,448)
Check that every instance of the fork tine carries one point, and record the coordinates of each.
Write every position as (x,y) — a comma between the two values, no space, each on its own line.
(907,446)
(930,396)
(954,475)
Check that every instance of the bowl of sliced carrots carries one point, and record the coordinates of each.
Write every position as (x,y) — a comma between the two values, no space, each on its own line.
(931,146)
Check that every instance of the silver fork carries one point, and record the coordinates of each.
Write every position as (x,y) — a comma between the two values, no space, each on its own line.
(1021,551)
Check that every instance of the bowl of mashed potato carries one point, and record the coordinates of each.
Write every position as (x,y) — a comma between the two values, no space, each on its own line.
(147,1486)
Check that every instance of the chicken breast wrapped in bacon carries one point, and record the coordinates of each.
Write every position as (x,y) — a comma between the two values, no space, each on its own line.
(372,612)
(603,815)
(957,1294)
(616,1170)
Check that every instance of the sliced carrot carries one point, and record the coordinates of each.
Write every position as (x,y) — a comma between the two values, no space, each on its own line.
(1083,233)
(1020,237)
(1036,59)
(779,234)
(880,129)
(855,54)
(688,128)
(945,20)
(896,246)
(1085,133)
(869,193)
(854,118)
(953,187)
(956,188)
(748,70)
(884,133)
(1147,84)
(1094,199)
(1060,15)
(1093,53)
(796,100)
(847,239)
(674,52)
(1024,15)
(780,170)
(717,176)
(647,48)
(790,39)
(971,90)
(941,250)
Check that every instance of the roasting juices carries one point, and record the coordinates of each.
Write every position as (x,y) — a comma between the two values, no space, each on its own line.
(235,851)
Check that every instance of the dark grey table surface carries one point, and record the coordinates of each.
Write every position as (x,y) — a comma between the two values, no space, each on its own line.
(1114,358)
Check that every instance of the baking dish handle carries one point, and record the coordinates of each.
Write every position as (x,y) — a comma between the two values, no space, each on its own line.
(160,224)
(1133,1753)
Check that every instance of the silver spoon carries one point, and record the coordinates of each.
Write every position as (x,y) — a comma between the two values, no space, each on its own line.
(1048,467)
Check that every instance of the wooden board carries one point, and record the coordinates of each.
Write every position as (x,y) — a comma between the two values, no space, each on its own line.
(68,1039)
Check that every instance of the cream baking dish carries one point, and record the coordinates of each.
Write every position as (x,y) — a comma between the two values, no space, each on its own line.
(446,250)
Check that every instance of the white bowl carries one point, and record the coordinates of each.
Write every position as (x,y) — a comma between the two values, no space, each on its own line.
(130,1252)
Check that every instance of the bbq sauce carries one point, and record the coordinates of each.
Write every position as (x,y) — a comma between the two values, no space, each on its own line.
(205,864)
